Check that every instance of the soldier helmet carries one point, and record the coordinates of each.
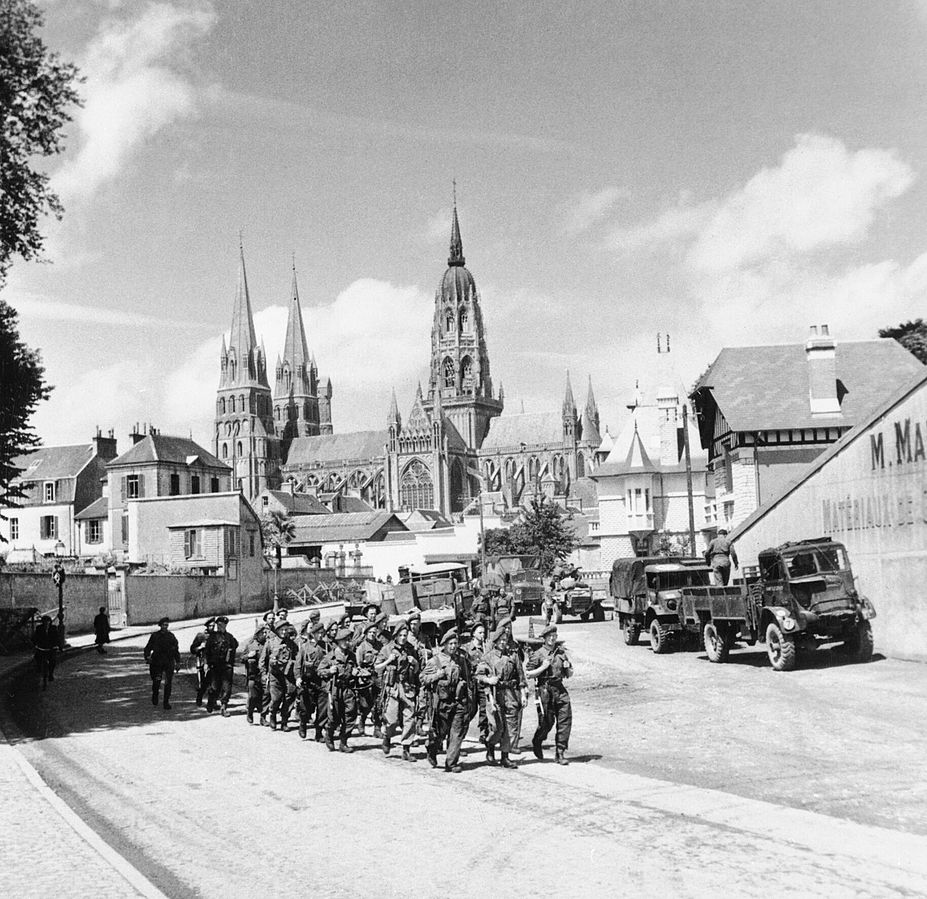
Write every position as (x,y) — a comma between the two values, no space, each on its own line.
(315,615)
(399,627)
(316,629)
(269,616)
(722,531)
(222,619)
(450,635)
(414,614)
(370,605)
(550,629)
(343,633)
(209,621)
(381,619)
(164,620)
(371,625)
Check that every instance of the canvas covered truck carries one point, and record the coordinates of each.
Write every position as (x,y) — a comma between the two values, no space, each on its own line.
(434,586)
(799,596)
(647,592)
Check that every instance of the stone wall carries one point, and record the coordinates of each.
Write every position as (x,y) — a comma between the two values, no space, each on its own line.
(83,596)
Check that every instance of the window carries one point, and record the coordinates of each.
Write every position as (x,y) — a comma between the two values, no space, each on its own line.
(265,501)
(195,484)
(95,531)
(125,528)
(225,451)
(231,542)
(416,489)
(48,527)
(175,485)
(133,487)
(193,543)
(449,321)
(49,491)
(450,375)
(251,544)
(214,485)
(14,529)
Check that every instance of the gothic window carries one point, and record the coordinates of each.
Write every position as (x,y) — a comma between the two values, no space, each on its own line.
(509,468)
(449,322)
(228,429)
(533,468)
(222,405)
(232,367)
(225,451)
(459,492)
(466,376)
(286,377)
(231,404)
(241,403)
(464,319)
(277,413)
(416,490)
(450,376)
(580,466)
(239,448)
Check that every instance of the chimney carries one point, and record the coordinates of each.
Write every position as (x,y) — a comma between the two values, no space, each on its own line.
(105,446)
(135,436)
(821,356)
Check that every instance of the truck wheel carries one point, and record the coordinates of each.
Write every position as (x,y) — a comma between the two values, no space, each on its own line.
(780,648)
(860,644)
(632,633)
(659,637)
(717,641)
(584,616)
(598,613)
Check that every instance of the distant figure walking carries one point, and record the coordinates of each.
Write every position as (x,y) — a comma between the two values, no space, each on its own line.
(101,630)
(719,555)
(45,642)
(163,657)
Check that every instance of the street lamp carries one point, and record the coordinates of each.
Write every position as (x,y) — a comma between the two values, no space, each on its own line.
(58,577)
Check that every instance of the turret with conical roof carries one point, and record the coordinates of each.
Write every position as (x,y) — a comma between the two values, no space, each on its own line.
(459,358)
(245,438)
(296,400)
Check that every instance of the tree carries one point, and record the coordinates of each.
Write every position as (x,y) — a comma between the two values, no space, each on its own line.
(544,531)
(278,530)
(497,541)
(22,386)
(36,89)
(912,335)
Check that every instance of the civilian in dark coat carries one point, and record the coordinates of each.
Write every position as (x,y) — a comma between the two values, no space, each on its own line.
(101,629)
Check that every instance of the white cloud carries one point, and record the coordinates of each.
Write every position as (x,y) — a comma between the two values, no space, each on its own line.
(589,208)
(678,223)
(43,309)
(133,90)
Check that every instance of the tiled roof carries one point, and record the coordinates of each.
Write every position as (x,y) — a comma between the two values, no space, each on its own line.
(99,508)
(298,503)
(342,526)
(356,445)
(48,463)
(162,448)
(766,387)
(530,428)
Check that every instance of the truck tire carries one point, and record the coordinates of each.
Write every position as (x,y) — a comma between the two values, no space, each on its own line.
(632,633)
(717,641)
(659,637)
(598,613)
(860,645)
(584,616)
(780,648)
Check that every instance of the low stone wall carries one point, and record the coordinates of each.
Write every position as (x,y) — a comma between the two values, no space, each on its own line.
(180,596)
(83,596)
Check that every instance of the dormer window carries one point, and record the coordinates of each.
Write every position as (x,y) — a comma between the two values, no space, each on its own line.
(49,491)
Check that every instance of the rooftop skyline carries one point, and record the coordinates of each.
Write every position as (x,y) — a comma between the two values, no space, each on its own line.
(728,175)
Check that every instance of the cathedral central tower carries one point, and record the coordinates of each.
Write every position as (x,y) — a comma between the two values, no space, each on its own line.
(460,381)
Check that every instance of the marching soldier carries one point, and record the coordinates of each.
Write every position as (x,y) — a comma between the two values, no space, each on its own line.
(503,681)
(251,658)
(448,673)
(551,666)
(419,640)
(197,650)
(502,609)
(399,667)
(339,669)
(220,660)
(311,696)
(475,649)
(370,613)
(162,653)
(280,666)
(480,611)
(271,637)
(367,683)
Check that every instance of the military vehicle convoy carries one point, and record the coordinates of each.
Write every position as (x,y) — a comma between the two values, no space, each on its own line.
(799,596)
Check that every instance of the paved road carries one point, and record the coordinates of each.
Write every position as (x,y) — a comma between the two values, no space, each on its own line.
(688,778)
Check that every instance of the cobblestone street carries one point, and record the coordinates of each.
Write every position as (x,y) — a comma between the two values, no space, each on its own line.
(684,775)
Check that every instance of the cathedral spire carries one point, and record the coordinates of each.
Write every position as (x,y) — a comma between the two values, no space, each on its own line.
(569,404)
(457,256)
(393,417)
(295,349)
(242,340)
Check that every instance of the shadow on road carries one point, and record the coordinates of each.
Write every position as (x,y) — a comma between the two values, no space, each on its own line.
(808,659)
(93,692)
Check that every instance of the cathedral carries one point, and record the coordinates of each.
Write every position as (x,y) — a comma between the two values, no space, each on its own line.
(454,444)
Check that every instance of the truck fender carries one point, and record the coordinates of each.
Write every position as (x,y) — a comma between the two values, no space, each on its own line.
(867,609)
(782,616)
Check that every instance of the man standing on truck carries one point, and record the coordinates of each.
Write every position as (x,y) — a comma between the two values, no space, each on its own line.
(719,555)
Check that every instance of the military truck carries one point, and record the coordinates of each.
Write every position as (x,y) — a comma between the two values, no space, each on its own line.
(647,592)
(799,596)
(573,596)
(527,586)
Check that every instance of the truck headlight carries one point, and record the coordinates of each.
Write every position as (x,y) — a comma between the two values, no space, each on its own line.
(671,605)
(788,624)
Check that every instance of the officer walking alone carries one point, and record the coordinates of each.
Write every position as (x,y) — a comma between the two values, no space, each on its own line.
(163,657)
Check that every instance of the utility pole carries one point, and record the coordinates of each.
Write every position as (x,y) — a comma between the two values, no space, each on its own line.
(685,440)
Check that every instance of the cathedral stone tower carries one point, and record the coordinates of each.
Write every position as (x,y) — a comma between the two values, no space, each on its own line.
(245,436)
(296,390)
(460,378)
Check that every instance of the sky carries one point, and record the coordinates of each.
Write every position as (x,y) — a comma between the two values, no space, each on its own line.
(727,173)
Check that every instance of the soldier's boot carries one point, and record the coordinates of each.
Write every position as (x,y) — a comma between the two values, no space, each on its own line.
(344,746)
(453,769)
(386,746)
(167,699)
(507,762)
(537,749)
(273,720)
(250,717)
(155,689)
(432,755)
(319,737)
(211,702)
(330,741)
(225,710)
(302,730)
(377,732)
(407,755)
(263,720)
(560,758)
(491,755)
(285,723)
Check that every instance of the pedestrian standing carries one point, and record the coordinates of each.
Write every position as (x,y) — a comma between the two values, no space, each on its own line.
(719,555)
(162,654)
(101,630)
(46,645)
(220,660)
(448,673)
(551,666)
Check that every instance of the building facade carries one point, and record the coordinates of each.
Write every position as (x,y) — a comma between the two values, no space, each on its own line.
(454,443)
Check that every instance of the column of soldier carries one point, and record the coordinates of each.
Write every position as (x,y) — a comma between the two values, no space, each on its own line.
(333,678)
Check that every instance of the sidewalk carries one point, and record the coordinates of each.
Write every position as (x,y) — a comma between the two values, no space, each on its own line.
(45,846)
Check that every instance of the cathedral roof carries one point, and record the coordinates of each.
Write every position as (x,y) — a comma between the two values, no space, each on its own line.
(456,284)
(356,445)
(530,428)
(590,431)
